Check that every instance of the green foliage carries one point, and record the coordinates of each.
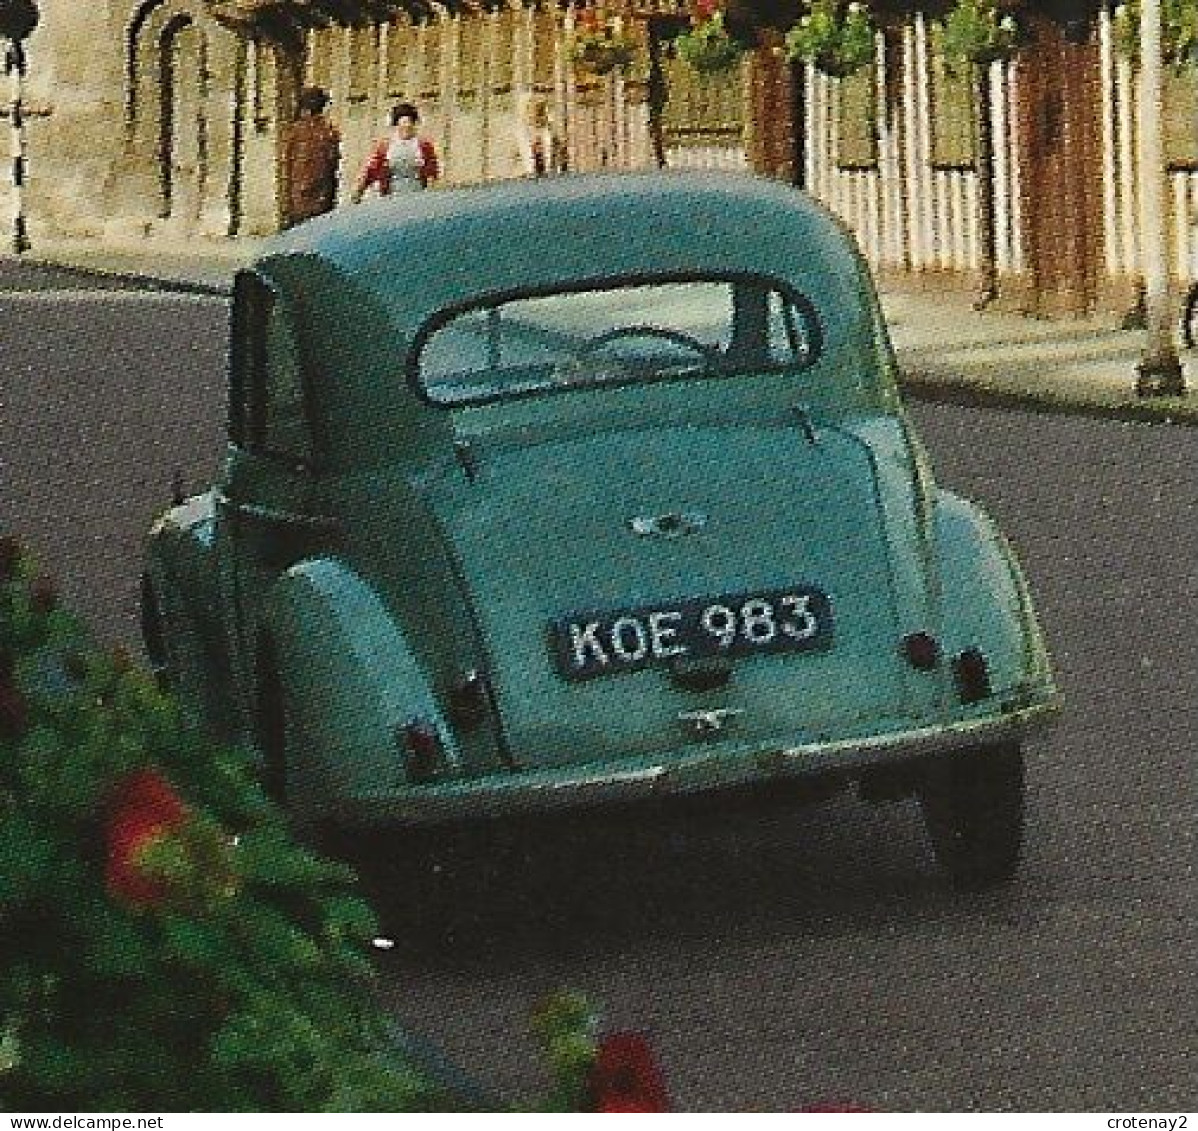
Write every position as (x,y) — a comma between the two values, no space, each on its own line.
(1179,32)
(976,34)
(708,47)
(838,39)
(246,988)
(566,1026)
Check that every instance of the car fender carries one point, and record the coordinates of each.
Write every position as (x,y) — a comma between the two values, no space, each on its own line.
(350,681)
(180,608)
(986,601)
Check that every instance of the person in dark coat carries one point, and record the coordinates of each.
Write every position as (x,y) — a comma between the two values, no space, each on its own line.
(313,154)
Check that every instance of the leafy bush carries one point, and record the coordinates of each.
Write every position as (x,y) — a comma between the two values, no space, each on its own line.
(975,33)
(837,39)
(708,47)
(166,945)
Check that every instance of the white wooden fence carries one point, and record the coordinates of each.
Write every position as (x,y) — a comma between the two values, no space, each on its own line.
(908,214)
(473,77)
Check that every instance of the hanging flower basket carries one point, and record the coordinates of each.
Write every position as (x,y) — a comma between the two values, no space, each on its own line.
(976,34)
(837,40)
(708,47)
(1179,40)
(601,46)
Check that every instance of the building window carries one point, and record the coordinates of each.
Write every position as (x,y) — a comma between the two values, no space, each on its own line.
(363,58)
(544,50)
(401,48)
(952,109)
(503,56)
(472,58)
(857,120)
(702,110)
(1181,115)
(428,73)
(322,57)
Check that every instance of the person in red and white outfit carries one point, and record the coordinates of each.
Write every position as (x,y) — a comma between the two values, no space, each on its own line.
(403,161)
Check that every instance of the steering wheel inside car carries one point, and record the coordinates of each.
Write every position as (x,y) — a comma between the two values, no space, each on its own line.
(676,337)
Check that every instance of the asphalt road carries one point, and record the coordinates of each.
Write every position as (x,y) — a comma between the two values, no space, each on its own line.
(787,956)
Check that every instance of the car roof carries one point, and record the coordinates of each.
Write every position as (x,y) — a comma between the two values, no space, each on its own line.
(416,253)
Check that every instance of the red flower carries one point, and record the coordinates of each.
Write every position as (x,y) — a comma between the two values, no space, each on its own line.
(144,809)
(703,10)
(627,1076)
(587,20)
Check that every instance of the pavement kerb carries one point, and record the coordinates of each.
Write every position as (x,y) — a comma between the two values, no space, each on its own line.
(136,279)
(937,387)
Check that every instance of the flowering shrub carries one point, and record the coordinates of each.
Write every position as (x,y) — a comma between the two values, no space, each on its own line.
(601,44)
(1179,31)
(838,40)
(975,33)
(166,945)
(708,47)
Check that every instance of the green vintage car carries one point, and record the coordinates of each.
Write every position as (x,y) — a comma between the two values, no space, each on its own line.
(583,491)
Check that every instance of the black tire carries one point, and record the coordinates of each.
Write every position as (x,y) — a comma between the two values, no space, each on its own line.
(408,876)
(1189,318)
(973,804)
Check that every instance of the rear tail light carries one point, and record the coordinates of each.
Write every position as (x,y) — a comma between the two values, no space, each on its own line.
(423,749)
(973,676)
(922,650)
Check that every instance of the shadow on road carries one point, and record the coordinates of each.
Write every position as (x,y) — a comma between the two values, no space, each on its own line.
(520,896)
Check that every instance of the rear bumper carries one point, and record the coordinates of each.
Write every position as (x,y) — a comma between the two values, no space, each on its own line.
(702,769)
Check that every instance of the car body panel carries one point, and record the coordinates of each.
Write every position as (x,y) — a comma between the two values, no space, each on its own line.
(402,547)
(778,511)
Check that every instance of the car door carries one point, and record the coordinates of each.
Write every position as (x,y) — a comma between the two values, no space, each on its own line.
(269,508)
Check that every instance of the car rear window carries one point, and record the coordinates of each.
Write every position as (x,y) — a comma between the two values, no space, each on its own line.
(526,344)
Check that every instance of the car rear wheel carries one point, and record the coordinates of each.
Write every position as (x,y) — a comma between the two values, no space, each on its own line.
(973,810)
(392,875)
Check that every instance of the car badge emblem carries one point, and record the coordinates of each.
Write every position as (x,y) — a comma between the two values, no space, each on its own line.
(709,722)
(675,524)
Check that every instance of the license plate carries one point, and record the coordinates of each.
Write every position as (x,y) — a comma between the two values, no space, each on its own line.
(585,645)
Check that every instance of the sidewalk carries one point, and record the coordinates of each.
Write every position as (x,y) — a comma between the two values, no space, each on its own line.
(204,266)
(948,351)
